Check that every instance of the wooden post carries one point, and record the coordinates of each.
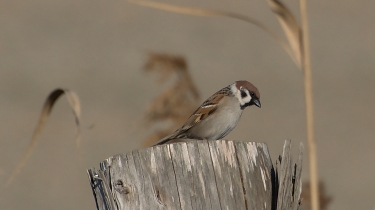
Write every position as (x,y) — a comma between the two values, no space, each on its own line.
(199,175)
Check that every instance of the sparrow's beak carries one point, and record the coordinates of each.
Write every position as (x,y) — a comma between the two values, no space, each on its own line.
(256,102)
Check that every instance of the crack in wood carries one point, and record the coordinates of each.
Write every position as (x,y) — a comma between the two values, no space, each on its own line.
(241,177)
(213,165)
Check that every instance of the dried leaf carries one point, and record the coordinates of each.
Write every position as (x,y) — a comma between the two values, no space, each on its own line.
(291,29)
(175,104)
(165,64)
(46,110)
(160,61)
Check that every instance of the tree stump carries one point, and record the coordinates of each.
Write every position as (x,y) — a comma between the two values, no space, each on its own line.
(203,175)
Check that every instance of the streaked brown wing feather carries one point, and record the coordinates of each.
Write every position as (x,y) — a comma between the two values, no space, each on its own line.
(205,110)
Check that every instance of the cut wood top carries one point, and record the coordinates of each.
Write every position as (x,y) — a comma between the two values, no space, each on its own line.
(195,175)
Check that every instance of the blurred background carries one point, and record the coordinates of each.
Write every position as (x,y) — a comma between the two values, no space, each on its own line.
(99,49)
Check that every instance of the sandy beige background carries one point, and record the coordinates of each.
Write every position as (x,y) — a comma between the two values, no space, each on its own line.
(98,48)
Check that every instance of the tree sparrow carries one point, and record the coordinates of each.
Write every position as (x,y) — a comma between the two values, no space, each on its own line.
(218,115)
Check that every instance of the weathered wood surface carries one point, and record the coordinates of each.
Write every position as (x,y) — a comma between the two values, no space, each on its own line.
(199,175)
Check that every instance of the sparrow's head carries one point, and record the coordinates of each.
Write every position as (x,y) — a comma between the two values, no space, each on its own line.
(246,93)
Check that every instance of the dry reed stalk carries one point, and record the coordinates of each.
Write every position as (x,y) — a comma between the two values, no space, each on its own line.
(298,37)
(51,99)
(309,108)
(217,13)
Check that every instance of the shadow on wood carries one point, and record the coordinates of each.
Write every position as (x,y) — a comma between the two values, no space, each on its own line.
(199,175)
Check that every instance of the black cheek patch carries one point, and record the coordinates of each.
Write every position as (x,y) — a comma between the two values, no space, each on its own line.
(243,94)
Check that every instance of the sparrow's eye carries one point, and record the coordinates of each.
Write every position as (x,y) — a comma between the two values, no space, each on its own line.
(243,94)
(252,93)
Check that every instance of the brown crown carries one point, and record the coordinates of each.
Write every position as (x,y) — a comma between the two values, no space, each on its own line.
(249,86)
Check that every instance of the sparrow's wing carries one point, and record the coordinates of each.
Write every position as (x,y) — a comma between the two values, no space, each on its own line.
(206,109)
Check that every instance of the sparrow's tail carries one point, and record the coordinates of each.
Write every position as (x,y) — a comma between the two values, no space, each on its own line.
(177,137)
(165,140)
